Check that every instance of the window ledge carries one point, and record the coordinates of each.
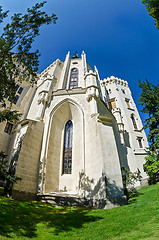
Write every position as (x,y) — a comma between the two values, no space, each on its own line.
(137,130)
(77,90)
(131,109)
(141,151)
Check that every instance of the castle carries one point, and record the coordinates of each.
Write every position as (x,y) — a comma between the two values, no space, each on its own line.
(76,135)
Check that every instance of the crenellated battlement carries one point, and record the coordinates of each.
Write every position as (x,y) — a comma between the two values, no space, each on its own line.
(117,109)
(90,72)
(115,80)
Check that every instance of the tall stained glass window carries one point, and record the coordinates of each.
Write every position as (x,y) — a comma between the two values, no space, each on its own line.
(67,154)
(74,78)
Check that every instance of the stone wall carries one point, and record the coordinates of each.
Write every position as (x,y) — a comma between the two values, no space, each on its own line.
(28,162)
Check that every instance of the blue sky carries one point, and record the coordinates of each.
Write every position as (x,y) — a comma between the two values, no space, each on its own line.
(119,37)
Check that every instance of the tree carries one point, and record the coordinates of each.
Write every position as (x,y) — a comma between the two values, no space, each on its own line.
(17,61)
(152,167)
(153,7)
(149,99)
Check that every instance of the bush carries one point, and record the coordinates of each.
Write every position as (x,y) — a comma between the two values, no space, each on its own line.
(152,167)
(7,174)
(129,180)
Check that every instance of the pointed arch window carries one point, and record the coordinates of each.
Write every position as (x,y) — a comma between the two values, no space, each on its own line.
(74,78)
(67,153)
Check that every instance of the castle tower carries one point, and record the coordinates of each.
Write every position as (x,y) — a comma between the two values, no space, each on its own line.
(118,97)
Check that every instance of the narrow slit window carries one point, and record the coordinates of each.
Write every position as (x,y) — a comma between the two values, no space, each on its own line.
(128,103)
(134,122)
(67,154)
(123,91)
(74,78)
(140,142)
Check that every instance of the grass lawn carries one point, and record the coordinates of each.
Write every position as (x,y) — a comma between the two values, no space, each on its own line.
(34,220)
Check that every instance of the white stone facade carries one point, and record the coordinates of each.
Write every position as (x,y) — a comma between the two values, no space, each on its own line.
(107,134)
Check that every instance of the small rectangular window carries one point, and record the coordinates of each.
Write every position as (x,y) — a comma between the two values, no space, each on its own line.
(16,99)
(8,128)
(20,90)
(112,104)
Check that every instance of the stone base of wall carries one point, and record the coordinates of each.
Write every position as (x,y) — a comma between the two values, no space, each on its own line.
(63,200)
(70,200)
(26,196)
(144,182)
(116,202)
(108,204)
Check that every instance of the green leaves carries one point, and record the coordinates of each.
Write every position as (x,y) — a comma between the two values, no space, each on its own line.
(153,7)
(17,61)
(2,14)
(17,39)
(9,115)
(149,99)
(6,173)
(152,166)
(130,178)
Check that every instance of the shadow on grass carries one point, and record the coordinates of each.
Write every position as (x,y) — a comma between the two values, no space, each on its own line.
(21,218)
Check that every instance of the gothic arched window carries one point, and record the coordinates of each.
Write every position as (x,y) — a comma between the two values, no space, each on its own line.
(74,78)
(67,153)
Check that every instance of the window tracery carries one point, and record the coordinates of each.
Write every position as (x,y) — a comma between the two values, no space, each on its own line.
(74,78)
(67,153)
